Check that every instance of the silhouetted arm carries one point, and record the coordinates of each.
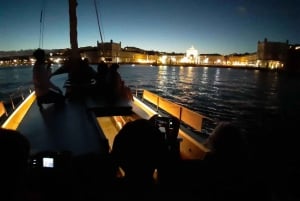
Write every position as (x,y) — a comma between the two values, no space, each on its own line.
(60,70)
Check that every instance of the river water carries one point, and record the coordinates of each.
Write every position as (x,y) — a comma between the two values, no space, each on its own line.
(246,97)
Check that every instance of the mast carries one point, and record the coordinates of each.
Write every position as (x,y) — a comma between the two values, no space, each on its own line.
(75,74)
(74,65)
(73,30)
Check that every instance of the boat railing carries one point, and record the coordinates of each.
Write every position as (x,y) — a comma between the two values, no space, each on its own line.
(18,96)
(197,122)
(9,105)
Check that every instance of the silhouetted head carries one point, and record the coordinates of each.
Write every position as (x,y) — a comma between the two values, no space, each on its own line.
(102,67)
(39,54)
(152,119)
(85,62)
(139,149)
(14,155)
(14,147)
(114,66)
(227,140)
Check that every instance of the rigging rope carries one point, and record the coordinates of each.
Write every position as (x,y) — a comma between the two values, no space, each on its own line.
(98,21)
(42,25)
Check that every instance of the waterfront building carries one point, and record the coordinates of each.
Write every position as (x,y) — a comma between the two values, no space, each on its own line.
(137,55)
(109,51)
(272,54)
(247,59)
(211,59)
(91,53)
(192,56)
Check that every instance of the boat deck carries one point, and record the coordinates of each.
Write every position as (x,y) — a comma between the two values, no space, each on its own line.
(71,128)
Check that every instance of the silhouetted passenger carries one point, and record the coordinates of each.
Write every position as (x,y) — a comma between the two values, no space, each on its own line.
(113,83)
(45,90)
(88,72)
(126,93)
(14,155)
(116,88)
(102,70)
(226,165)
(227,142)
(139,149)
(176,175)
(102,67)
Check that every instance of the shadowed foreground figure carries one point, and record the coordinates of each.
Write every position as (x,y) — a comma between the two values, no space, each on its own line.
(14,155)
(139,149)
(227,165)
(222,175)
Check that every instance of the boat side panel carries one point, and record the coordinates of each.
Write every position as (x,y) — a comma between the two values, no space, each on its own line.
(188,116)
(151,97)
(190,148)
(192,118)
(170,107)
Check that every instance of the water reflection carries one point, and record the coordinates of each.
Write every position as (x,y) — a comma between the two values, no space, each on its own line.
(204,77)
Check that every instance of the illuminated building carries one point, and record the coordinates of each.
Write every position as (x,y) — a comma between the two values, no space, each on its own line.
(109,51)
(272,54)
(192,56)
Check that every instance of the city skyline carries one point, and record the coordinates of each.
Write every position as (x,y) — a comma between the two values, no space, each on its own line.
(211,26)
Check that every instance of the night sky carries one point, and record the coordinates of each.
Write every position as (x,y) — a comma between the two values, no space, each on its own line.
(211,26)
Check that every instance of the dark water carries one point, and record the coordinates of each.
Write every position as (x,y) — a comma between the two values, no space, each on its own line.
(247,97)
(224,94)
(13,78)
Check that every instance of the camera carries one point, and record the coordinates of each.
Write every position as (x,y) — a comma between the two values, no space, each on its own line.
(48,162)
(169,126)
(51,160)
(48,159)
(164,124)
(43,162)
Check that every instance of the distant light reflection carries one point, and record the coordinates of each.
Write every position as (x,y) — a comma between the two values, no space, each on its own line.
(217,77)
(204,79)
